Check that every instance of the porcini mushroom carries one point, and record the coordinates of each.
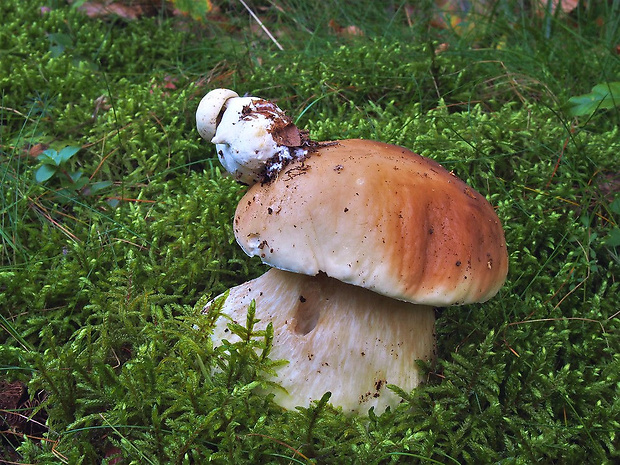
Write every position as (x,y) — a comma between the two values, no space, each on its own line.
(364,238)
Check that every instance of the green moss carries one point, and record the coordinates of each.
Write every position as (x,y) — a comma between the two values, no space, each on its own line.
(101,293)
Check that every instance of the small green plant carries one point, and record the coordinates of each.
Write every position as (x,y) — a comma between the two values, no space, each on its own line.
(603,96)
(55,165)
(55,162)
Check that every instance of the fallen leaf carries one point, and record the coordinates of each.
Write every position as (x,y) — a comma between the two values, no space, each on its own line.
(287,135)
(126,10)
(168,83)
(34,150)
(96,9)
(566,6)
(101,103)
(346,31)
(444,46)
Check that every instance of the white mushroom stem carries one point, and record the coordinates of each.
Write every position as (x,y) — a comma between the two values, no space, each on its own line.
(337,337)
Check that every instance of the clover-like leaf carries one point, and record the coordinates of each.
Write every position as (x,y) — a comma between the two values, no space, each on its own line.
(66,153)
(605,95)
(75,176)
(97,186)
(80,183)
(44,172)
(49,157)
(613,238)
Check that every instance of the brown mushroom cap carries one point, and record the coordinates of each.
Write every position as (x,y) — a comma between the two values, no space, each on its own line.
(381,217)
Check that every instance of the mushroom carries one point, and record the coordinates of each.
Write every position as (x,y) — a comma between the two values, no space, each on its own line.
(364,238)
(253,138)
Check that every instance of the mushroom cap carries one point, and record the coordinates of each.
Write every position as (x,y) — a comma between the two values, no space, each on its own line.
(336,337)
(209,109)
(381,217)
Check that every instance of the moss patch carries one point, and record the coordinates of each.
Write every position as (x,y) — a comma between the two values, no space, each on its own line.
(101,290)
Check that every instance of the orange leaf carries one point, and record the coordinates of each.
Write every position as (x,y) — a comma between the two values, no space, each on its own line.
(566,6)
(347,31)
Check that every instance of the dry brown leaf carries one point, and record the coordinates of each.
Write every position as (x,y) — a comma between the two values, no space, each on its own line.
(168,82)
(101,104)
(96,9)
(444,46)
(131,11)
(35,150)
(566,6)
(346,31)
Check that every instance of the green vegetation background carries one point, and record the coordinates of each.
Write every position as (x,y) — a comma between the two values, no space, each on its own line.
(106,264)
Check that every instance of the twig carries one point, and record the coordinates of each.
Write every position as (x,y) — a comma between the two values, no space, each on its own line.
(13,110)
(260,23)
(141,247)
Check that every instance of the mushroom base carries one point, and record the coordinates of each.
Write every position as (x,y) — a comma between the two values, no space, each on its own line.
(337,337)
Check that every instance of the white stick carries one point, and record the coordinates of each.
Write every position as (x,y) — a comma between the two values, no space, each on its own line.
(260,23)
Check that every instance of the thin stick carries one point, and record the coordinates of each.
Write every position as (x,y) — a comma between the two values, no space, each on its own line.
(260,23)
